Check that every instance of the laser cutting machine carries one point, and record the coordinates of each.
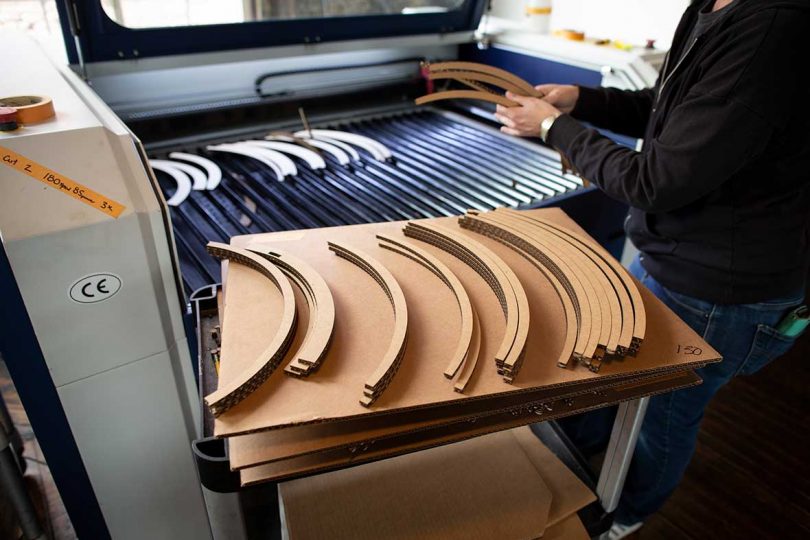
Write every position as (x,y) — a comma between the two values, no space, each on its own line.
(96,332)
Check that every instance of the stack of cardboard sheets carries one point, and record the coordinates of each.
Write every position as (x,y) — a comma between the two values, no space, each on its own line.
(291,427)
(506,485)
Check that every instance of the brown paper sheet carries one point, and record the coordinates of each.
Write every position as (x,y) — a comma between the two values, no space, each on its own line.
(569,494)
(479,489)
(364,323)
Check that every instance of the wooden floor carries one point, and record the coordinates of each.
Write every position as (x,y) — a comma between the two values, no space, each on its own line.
(750,477)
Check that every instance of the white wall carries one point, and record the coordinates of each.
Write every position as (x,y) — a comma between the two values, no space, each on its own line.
(632,21)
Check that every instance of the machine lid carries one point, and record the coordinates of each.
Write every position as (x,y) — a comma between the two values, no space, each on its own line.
(110,30)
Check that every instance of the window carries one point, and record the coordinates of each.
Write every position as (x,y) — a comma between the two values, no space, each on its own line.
(164,13)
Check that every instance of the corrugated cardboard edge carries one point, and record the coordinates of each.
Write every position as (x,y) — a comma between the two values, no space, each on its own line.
(366,452)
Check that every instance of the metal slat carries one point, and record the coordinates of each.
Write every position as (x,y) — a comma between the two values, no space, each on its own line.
(484,156)
(493,188)
(432,168)
(533,163)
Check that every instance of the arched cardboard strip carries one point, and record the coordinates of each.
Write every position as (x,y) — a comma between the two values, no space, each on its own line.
(577,289)
(448,278)
(501,279)
(465,76)
(526,88)
(466,94)
(604,303)
(388,366)
(619,304)
(639,313)
(263,366)
(320,329)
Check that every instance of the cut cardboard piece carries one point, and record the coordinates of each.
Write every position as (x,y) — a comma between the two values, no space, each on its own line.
(465,339)
(253,375)
(374,449)
(501,75)
(457,491)
(362,312)
(321,308)
(502,280)
(379,380)
(275,445)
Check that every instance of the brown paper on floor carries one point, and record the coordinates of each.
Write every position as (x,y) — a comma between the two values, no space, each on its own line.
(268,446)
(568,492)
(569,529)
(364,323)
(373,450)
(459,491)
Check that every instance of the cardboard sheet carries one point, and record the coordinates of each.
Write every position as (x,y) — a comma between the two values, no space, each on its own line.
(268,446)
(453,492)
(364,323)
(376,449)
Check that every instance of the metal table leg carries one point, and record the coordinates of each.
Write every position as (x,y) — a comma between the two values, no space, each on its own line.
(623,439)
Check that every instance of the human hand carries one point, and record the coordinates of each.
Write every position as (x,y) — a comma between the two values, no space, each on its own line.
(562,96)
(524,121)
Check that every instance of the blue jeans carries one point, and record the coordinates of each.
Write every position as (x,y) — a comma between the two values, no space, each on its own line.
(745,336)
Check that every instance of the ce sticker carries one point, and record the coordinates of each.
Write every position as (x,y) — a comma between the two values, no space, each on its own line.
(95,288)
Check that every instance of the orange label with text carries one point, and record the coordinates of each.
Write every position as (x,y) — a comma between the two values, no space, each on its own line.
(61,183)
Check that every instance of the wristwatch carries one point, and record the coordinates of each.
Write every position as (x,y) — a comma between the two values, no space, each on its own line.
(545,126)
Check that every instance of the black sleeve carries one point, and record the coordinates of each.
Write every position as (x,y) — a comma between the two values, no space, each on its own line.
(724,123)
(705,142)
(621,111)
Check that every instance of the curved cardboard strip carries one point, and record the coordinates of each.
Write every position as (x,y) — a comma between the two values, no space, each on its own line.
(463,76)
(526,89)
(572,327)
(619,304)
(467,94)
(347,148)
(471,360)
(501,279)
(379,380)
(198,177)
(336,151)
(604,303)
(495,226)
(321,304)
(263,366)
(639,326)
(287,165)
(447,277)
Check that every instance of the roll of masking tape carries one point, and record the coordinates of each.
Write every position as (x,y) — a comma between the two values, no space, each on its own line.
(572,35)
(30,109)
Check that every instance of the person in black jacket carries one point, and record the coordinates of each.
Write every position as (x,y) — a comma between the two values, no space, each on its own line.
(720,203)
